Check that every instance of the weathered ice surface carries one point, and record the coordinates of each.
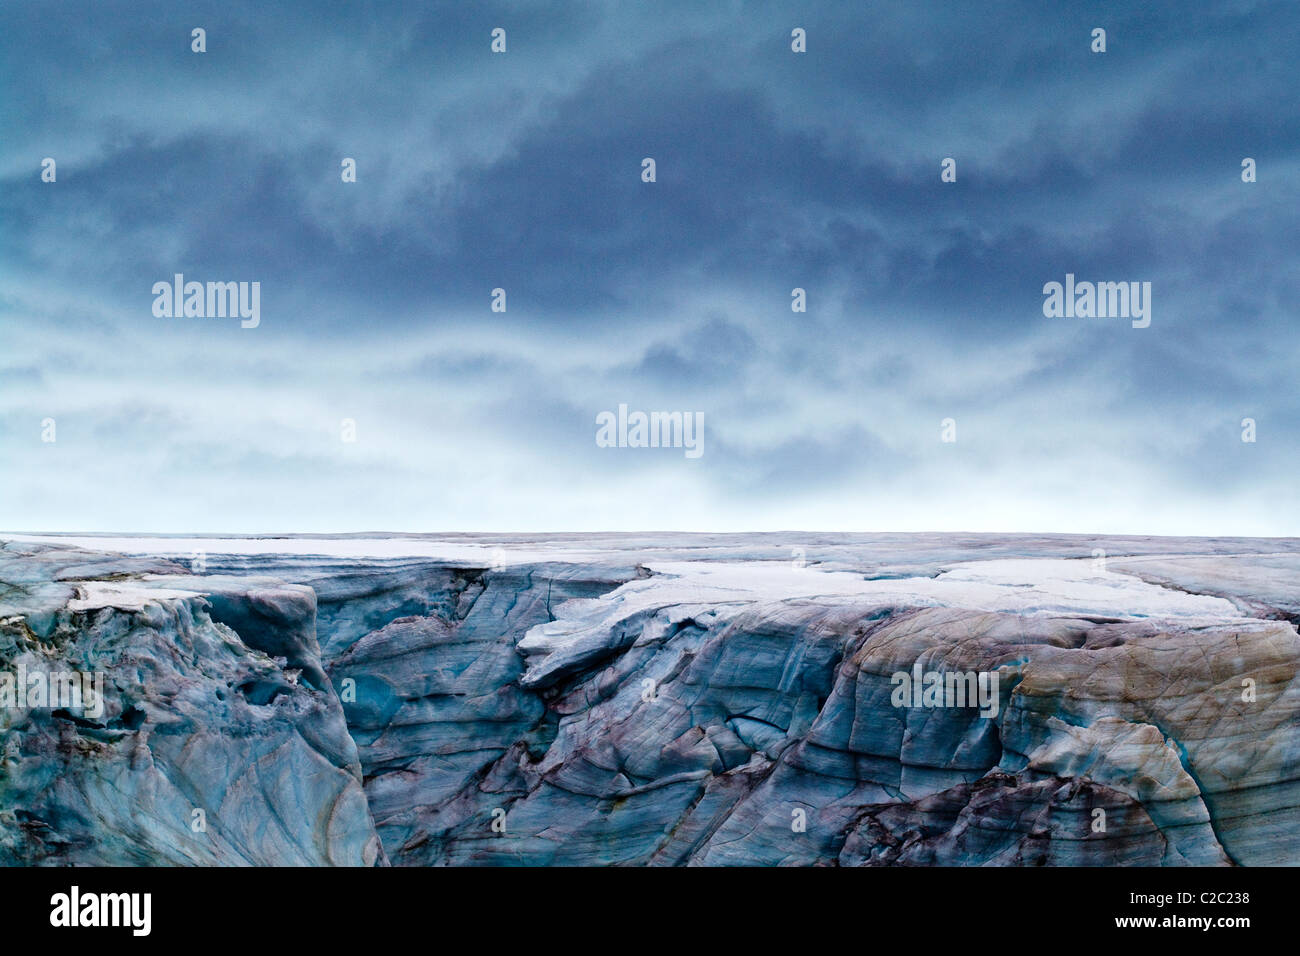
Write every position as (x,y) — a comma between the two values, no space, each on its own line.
(657,700)
(214,745)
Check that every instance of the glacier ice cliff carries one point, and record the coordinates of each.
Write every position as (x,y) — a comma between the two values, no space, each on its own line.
(653,700)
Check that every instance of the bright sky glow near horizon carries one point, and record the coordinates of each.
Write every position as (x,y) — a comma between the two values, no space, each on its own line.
(775,170)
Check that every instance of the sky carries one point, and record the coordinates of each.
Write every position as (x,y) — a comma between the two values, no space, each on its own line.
(774,170)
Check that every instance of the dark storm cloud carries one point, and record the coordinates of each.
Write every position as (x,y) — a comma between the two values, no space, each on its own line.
(775,171)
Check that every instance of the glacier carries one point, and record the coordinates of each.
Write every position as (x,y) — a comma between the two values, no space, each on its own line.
(652,699)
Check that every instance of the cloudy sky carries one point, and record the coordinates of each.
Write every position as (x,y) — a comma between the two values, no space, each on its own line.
(775,170)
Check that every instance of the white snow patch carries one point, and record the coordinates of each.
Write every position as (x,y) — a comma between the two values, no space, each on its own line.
(1048,586)
(1028,586)
(124,596)
(485,555)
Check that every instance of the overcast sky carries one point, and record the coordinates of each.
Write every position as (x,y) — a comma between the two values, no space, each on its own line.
(775,170)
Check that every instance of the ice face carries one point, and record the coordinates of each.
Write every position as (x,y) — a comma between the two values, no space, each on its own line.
(658,699)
